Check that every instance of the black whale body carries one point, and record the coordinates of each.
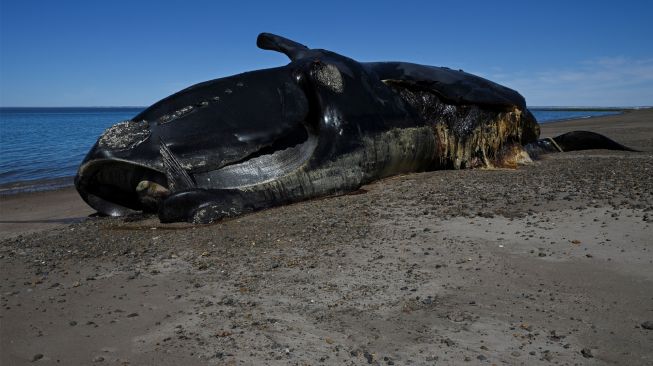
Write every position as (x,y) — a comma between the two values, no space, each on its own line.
(323,124)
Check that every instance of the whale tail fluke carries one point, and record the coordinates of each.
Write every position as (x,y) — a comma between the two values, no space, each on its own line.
(574,141)
(586,140)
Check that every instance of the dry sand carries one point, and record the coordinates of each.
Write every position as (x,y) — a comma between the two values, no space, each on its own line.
(549,263)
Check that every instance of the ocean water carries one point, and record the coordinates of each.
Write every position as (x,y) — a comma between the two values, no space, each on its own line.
(49,143)
(549,114)
(41,148)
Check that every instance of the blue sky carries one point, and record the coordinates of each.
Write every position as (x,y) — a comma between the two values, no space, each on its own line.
(108,53)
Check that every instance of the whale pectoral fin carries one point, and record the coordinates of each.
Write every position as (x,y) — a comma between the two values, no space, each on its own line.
(201,206)
(292,49)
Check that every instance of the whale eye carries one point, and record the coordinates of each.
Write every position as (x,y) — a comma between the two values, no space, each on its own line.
(125,135)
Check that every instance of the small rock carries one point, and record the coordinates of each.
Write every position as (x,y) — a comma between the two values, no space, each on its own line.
(368,357)
(546,356)
(586,352)
(448,342)
(37,357)
(647,325)
(98,359)
(481,358)
(72,323)
(132,315)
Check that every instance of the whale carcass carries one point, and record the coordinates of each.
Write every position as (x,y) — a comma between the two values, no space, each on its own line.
(323,124)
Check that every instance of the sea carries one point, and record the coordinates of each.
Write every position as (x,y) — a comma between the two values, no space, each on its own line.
(41,148)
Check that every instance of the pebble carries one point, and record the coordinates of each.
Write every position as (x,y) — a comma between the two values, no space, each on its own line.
(37,357)
(98,359)
(448,342)
(586,352)
(546,356)
(648,325)
(368,357)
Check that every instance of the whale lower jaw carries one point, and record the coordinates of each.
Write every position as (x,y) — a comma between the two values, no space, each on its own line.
(110,185)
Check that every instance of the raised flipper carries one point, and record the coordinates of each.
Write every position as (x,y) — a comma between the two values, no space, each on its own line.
(573,141)
(201,206)
(290,48)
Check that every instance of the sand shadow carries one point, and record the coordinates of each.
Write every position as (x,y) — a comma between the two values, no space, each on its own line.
(71,220)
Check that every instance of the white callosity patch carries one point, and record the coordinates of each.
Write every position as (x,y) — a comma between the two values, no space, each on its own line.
(329,76)
(125,135)
(166,118)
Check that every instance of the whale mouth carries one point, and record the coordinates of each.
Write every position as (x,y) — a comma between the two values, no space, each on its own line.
(109,185)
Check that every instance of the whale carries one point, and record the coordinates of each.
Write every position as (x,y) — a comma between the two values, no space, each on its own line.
(323,124)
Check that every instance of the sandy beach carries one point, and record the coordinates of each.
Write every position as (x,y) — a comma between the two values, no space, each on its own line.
(551,263)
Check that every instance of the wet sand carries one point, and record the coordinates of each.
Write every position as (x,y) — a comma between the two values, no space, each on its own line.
(37,211)
(549,263)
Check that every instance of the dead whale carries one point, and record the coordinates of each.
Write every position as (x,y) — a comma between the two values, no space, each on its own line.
(323,124)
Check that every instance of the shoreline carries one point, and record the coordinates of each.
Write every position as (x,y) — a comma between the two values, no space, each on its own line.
(36,185)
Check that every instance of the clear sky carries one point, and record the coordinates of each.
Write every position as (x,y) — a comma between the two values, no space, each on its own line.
(111,53)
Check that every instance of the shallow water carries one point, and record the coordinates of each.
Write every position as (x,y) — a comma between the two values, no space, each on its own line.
(544,115)
(44,146)
(45,143)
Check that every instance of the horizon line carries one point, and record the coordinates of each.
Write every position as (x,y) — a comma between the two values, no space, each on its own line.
(532,106)
(78,106)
